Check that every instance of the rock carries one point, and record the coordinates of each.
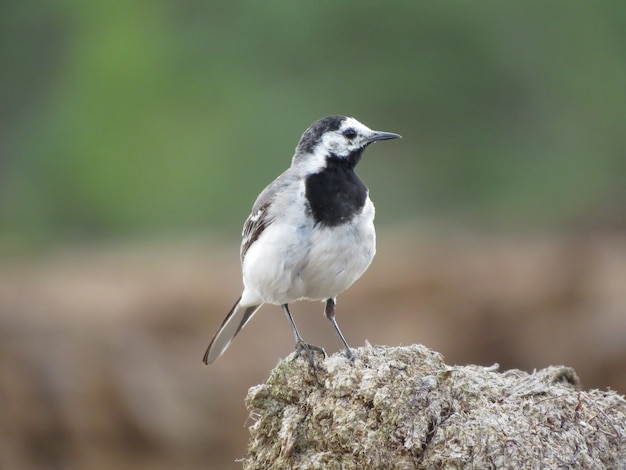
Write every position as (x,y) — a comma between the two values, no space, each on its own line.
(404,408)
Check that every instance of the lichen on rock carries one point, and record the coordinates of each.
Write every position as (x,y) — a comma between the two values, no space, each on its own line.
(404,408)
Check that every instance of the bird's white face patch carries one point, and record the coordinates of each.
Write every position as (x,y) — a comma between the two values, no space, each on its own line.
(351,136)
(333,137)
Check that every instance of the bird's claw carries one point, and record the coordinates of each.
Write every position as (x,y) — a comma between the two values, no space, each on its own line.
(305,348)
(350,355)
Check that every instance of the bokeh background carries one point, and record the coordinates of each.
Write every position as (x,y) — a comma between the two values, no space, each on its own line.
(134,137)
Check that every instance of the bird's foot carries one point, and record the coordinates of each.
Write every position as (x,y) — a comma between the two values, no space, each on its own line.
(308,349)
(350,355)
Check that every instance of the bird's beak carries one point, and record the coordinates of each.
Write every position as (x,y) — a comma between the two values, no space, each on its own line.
(377,135)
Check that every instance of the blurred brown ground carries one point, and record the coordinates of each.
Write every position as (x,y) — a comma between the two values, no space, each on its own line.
(101,346)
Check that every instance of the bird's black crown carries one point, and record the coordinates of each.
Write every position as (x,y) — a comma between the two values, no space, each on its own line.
(314,133)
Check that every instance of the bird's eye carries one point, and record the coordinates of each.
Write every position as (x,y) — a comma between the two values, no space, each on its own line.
(349,134)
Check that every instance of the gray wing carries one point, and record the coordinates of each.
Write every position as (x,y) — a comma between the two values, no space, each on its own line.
(254,227)
(263,213)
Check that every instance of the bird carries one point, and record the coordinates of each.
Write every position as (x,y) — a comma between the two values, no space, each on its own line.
(310,234)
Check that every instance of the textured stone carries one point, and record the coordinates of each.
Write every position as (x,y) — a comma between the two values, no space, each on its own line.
(404,408)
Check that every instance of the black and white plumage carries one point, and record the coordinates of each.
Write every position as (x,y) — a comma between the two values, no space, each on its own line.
(310,234)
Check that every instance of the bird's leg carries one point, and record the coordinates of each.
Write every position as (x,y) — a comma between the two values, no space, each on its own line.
(301,346)
(330,314)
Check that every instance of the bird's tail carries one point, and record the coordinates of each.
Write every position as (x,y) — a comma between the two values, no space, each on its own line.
(232,324)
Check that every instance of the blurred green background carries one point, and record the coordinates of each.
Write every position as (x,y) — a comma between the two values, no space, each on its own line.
(147,117)
(135,135)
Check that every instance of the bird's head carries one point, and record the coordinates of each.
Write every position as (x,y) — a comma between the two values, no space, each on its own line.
(339,138)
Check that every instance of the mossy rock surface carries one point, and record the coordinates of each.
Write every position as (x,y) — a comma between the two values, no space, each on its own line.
(404,408)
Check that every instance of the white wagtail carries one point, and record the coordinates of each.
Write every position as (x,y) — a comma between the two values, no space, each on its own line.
(311,231)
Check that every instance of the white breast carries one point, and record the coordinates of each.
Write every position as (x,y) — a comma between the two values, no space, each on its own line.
(339,256)
(297,261)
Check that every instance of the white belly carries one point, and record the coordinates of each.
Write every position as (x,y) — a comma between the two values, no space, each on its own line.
(289,263)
